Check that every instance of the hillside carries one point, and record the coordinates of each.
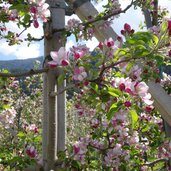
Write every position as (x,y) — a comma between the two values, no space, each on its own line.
(20,65)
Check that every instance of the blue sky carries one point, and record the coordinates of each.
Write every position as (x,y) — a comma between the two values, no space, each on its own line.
(133,17)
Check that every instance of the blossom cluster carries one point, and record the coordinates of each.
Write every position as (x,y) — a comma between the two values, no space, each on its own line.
(7,117)
(31,151)
(39,10)
(133,88)
(63,58)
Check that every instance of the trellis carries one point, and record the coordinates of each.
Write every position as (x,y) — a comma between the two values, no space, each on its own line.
(54,107)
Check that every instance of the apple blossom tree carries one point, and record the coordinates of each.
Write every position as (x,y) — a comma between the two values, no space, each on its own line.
(119,127)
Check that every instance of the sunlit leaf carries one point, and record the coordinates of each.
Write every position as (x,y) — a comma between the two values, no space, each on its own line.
(134,119)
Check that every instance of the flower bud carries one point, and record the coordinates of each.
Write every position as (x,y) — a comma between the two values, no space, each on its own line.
(127,104)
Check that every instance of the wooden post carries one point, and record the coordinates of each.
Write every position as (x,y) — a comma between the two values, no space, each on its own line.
(61,117)
(52,42)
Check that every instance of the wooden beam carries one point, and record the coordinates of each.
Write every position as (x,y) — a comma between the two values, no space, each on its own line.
(162,101)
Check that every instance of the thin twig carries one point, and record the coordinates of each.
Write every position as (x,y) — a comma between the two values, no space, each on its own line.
(105,17)
(24,74)
(35,39)
(22,32)
(110,66)
(151,164)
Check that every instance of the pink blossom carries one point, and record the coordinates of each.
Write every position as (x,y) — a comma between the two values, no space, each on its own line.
(127,104)
(59,58)
(127,27)
(78,54)
(13,15)
(113,156)
(169,27)
(155,30)
(146,98)
(101,45)
(31,151)
(43,12)
(72,23)
(76,148)
(141,88)
(7,117)
(33,128)
(35,23)
(127,30)
(39,10)
(148,109)
(79,51)
(80,149)
(169,53)
(122,86)
(109,43)
(94,123)
(33,9)
(79,74)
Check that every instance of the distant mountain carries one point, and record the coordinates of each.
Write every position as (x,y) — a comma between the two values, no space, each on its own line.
(20,65)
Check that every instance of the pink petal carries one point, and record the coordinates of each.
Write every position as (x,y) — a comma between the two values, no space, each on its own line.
(52,64)
(54,55)
(65,62)
(77,71)
(62,53)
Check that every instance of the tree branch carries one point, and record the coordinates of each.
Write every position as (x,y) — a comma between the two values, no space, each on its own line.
(147,17)
(24,74)
(110,66)
(151,164)
(105,17)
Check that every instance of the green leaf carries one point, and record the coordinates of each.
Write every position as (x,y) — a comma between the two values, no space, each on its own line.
(119,53)
(114,92)
(129,66)
(113,109)
(145,128)
(134,118)
(94,163)
(6,107)
(95,87)
(164,26)
(156,40)
(38,139)
(159,59)
(21,134)
(61,155)
(118,74)
(61,78)
(76,164)
(27,18)
(5,71)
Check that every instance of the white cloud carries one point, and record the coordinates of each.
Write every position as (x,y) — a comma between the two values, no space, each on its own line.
(23,51)
(28,52)
(92,43)
(35,32)
(69,44)
(20,51)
